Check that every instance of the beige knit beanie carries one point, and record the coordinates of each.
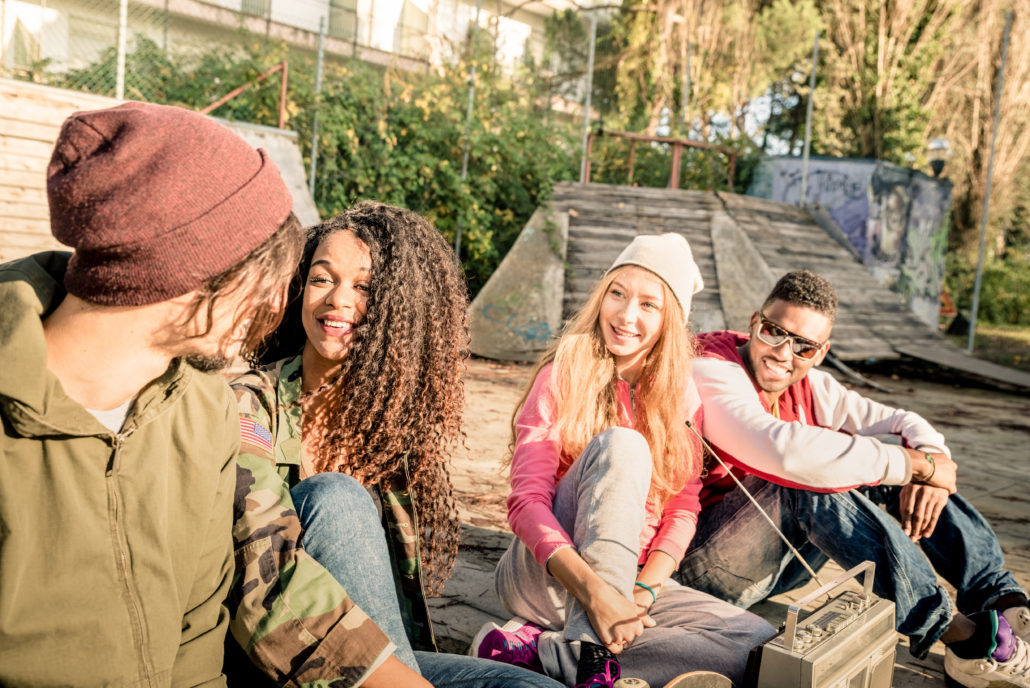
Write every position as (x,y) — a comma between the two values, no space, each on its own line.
(669,257)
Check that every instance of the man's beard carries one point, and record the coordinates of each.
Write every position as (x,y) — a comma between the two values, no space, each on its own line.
(208,363)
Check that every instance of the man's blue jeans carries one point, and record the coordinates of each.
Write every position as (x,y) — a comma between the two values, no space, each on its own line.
(342,531)
(736,556)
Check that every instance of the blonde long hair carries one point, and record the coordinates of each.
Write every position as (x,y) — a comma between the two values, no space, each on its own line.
(584,380)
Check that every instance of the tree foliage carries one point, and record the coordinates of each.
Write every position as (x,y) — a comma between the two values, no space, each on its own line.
(892,75)
(735,50)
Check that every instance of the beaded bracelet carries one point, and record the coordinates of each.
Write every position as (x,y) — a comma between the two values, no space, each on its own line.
(645,586)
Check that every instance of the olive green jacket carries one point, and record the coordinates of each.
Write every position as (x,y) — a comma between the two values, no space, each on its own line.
(289,614)
(115,549)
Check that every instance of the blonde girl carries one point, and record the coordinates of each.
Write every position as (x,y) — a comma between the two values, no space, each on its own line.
(605,480)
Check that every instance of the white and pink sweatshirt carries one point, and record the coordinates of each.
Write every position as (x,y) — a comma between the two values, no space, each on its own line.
(538,463)
(822,440)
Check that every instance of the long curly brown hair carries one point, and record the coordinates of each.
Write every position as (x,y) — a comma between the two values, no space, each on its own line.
(395,409)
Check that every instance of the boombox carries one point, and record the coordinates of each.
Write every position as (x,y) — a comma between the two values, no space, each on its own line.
(848,641)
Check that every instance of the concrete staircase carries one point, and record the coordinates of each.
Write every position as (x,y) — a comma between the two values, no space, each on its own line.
(741,245)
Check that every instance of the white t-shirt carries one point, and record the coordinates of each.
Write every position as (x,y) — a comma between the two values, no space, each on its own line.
(113,419)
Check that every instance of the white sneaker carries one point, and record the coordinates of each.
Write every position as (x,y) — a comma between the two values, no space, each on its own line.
(1019,619)
(696,679)
(986,672)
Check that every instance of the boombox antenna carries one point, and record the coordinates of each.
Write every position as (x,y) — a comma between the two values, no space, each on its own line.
(757,505)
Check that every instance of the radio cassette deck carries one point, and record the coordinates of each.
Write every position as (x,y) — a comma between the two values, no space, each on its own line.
(847,642)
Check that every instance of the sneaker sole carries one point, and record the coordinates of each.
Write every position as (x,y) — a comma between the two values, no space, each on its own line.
(954,683)
(691,679)
(511,626)
(700,679)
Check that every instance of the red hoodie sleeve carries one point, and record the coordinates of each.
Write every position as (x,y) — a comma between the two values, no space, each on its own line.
(534,469)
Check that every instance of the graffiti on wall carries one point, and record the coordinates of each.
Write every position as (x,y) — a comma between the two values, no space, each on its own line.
(896,218)
(533,330)
(921,274)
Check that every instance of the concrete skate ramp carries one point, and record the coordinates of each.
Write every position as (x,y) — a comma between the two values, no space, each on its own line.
(741,245)
(30,120)
(281,146)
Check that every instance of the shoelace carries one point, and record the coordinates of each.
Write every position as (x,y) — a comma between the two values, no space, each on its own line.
(605,678)
(1019,664)
(521,651)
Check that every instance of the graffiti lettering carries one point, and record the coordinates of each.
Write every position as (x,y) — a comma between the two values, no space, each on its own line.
(895,218)
(534,330)
(824,184)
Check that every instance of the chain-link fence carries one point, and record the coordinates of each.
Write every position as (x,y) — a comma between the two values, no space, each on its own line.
(111,47)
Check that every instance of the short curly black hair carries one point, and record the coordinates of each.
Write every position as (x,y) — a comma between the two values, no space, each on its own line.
(805,288)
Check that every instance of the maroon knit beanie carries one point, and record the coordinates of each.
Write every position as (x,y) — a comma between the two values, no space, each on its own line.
(156,201)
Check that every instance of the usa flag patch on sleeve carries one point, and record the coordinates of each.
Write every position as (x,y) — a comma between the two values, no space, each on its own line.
(255,433)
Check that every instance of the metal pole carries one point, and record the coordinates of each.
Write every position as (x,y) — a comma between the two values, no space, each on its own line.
(3,29)
(318,93)
(987,193)
(686,84)
(119,78)
(808,120)
(590,92)
(468,118)
(284,76)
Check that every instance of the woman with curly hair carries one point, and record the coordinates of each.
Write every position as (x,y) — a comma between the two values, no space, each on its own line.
(345,515)
(605,481)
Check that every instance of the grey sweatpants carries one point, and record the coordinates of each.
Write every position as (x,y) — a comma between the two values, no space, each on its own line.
(600,502)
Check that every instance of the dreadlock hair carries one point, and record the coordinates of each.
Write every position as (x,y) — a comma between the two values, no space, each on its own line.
(584,379)
(395,408)
(807,289)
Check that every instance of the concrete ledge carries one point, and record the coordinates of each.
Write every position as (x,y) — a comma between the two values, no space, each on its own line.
(518,311)
(744,278)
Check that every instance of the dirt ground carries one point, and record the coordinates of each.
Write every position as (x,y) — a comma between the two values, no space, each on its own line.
(988,432)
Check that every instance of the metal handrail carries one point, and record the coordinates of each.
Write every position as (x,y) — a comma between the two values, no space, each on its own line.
(282,66)
(677,152)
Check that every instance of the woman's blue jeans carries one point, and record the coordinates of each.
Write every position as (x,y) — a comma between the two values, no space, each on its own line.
(343,532)
(736,556)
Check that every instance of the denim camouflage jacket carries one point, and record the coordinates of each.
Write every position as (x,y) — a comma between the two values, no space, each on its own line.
(291,617)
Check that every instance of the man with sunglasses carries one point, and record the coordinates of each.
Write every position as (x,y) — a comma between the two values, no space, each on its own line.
(817,457)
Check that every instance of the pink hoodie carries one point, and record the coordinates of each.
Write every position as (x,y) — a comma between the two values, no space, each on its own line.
(538,463)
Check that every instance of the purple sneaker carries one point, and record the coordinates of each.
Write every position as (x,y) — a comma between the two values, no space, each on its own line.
(513,643)
(597,668)
(994,657)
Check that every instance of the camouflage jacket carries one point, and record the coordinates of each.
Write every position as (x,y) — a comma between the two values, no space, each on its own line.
(289,614)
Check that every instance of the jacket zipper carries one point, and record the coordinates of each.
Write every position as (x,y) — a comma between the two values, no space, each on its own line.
(418,554)
(120,544)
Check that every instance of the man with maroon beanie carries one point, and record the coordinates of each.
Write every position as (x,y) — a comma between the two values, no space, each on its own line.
(117,456)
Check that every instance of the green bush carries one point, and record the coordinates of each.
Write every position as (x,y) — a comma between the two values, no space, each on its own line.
(387,135)
(1004,288)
